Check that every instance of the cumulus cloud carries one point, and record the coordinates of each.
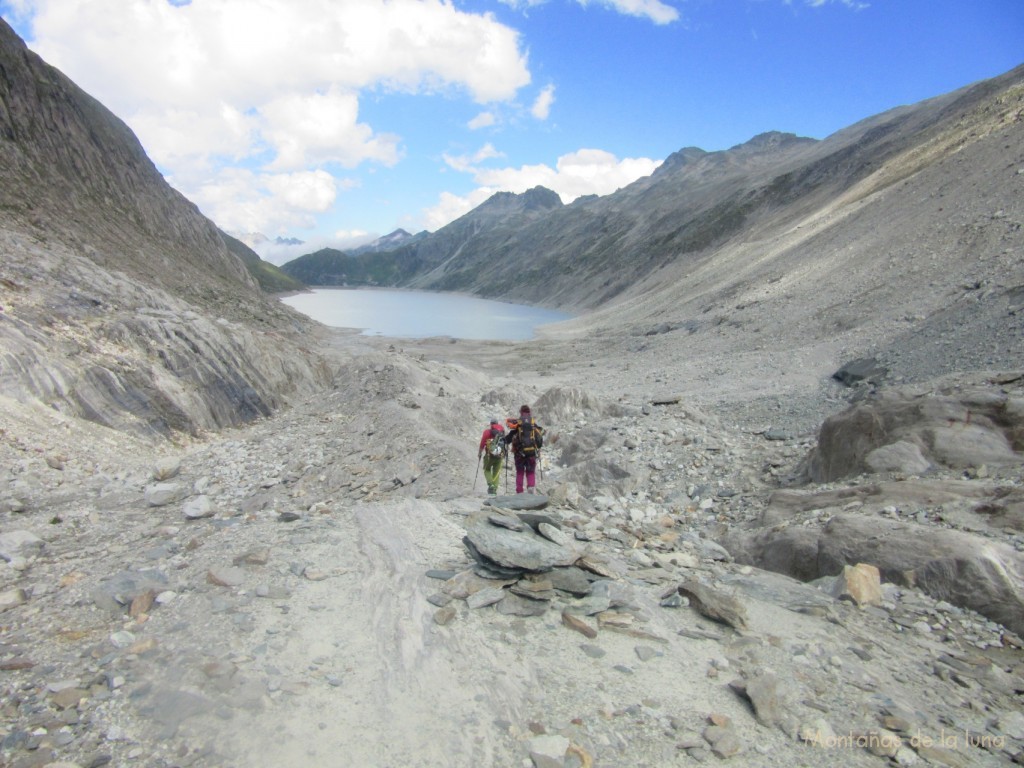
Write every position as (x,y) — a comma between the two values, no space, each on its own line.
(468,163)
(483,120)
(319,128)
(270,86)
(451,206)
(542,105)
(240,200)
(584,172)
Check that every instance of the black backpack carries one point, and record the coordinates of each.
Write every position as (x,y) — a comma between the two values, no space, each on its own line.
(530,438)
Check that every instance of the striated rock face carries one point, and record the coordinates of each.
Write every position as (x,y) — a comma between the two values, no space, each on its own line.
(906,432)
(119,301)
(132,357)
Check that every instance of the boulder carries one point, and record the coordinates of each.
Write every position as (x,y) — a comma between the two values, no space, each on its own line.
(563,406)
(860,584)
(882,433)
(518,501)
(517,549)
(862,369)
(583,444)
(162,494)
(961,568)
(605,475)
(901,456)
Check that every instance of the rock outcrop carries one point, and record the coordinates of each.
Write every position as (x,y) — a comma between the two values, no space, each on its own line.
(121,303)
(910,432)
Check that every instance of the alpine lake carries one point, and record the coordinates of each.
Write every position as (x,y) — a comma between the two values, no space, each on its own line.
(421,314)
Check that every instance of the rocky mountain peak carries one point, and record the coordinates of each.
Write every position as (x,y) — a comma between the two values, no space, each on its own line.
(771,140)
(537,199)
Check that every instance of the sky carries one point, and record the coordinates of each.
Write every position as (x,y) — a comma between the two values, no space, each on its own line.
(337,121)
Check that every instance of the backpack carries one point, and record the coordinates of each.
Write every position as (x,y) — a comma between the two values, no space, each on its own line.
(530,437)
(496,443)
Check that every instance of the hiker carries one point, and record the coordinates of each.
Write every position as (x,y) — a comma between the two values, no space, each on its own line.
(492,449)
(526,439)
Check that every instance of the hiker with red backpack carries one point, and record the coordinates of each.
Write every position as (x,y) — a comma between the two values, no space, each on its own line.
(492,449)
(526,439)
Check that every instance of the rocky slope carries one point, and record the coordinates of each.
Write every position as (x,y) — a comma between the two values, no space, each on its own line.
(120,303)
(302,588)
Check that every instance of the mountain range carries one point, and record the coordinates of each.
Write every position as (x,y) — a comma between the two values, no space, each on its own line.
(532,248)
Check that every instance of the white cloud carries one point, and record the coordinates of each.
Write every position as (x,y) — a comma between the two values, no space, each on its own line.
(319,128)
(223,93)
(240,200)
(584,172)
(542,106)
(656,11)
(483,120)
(856,5)
(468,163)
(451,206)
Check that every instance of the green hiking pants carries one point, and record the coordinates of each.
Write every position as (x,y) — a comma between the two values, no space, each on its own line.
(492,472)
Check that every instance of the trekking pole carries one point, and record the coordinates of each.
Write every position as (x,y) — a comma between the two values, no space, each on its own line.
(478,460)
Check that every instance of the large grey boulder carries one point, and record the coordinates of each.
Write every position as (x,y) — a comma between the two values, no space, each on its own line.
(862,369)
(961,568)
(908,432)
(563,406)
(583,444)
(523,549)
(605,476)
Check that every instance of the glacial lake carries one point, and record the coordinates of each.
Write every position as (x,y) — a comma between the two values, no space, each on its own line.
(421,314)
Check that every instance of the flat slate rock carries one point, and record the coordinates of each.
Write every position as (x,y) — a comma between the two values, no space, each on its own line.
(534,521)
(506,521)
(518,501)
(516,549)
(572,580)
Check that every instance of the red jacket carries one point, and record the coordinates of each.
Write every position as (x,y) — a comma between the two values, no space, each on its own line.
(498,430)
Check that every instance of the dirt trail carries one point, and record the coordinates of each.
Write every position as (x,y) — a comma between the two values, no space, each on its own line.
(408,692)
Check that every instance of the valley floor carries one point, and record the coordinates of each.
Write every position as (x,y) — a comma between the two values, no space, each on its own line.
(275,595)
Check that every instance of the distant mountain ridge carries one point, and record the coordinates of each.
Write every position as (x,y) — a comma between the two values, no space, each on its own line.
(256,240)
(358,266)
(531,248)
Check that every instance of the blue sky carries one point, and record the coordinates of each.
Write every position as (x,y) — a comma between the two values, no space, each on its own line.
(334,121)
